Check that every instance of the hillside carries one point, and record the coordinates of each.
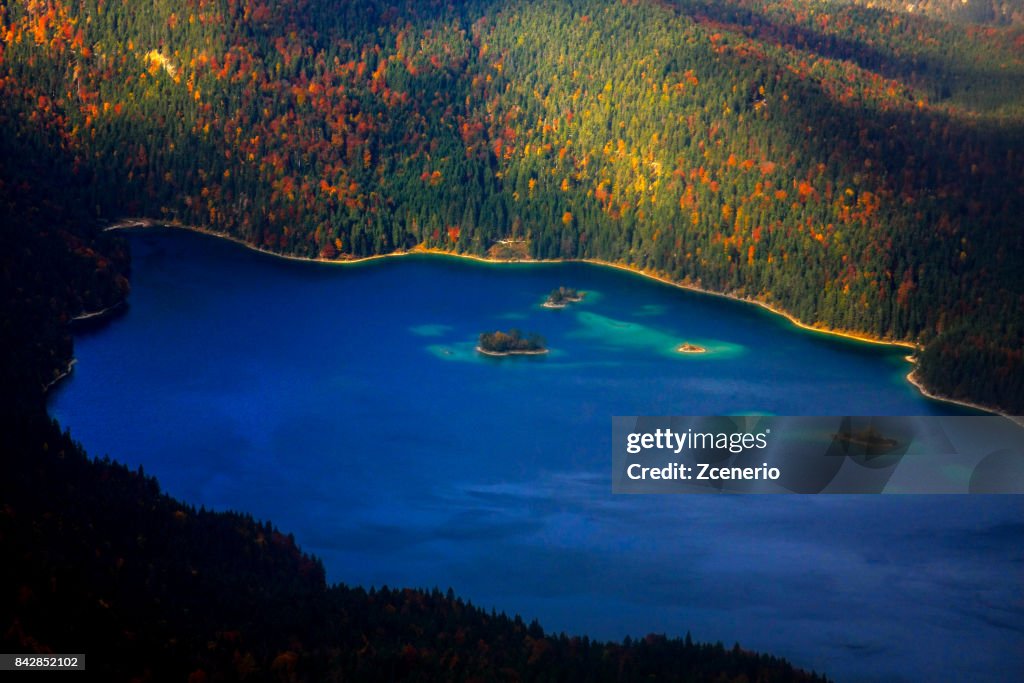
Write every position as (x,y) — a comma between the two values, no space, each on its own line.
(997,12)
(98,560)
(859,164)
(152,589)
(862,169)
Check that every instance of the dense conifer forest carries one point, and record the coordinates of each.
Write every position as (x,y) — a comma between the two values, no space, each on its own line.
(96,559)
(859,167)
(858,164)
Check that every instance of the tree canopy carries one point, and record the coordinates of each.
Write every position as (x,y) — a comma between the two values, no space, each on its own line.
(858,166)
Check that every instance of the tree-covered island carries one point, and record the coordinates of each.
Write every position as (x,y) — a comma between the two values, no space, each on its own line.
(871,439)
(511,343)
(560,297)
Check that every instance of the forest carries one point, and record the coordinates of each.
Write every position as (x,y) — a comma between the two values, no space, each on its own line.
(154,589)
(858,167)
(858,164)
(511,342)
(98,560)
(562,296)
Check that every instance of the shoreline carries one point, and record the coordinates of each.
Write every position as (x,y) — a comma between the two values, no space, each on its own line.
(911,377)
(687,347)
(56,380)
(92,315)
(130,223)
(502,354)
(757,302)
(548,304)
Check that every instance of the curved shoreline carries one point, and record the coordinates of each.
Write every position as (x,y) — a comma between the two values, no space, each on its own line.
(913,380)
(88,317)
(129,223)
(687,347)
(65,373)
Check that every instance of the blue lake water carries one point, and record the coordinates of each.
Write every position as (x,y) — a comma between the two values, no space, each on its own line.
(347,404)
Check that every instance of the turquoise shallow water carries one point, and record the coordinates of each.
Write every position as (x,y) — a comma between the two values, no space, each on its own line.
(348,405)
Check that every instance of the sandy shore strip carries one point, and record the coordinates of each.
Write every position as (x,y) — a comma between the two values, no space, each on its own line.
(501,354)
(687,347)
(67,371)
(137,223)
(128,223)
(548,304)
(912,378)
(92,315)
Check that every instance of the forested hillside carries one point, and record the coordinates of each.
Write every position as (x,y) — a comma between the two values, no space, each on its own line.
(97,560)
(860,164)
(861,168)
(999,12)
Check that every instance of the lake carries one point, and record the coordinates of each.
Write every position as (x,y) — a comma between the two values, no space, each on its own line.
(347,404)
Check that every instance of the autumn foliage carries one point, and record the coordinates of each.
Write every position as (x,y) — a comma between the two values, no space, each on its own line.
(857,166)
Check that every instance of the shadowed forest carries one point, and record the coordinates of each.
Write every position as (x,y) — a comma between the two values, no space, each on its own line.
(859,166)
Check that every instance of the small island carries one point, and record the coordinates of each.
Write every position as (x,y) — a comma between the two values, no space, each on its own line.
(511,343)
(687,347)
(869,438)
(562,297)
